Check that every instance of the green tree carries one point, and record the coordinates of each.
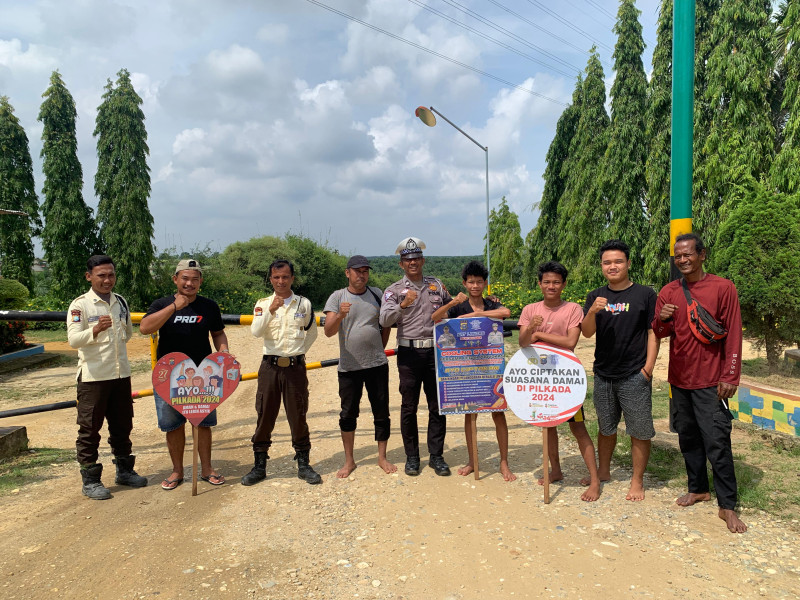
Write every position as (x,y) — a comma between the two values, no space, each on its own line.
(784,173)
(741,137)
(583,211)
(541,243)
(122,184)
(623,175)
(69,236)
(758,248)
(505,244)
(657,167)
(17,193)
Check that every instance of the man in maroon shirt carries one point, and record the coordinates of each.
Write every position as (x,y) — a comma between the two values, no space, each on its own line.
(702,376)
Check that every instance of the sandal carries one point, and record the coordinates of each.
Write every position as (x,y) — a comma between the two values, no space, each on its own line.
(171,484)
(214,479)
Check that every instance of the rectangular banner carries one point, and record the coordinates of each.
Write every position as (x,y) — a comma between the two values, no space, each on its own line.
(470,359)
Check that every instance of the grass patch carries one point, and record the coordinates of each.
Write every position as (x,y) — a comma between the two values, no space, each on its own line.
(42,336)
(31,466)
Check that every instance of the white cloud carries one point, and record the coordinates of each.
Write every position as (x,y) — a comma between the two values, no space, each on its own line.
(35,58)
(274,33)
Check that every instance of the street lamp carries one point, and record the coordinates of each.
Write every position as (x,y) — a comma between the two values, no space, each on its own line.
(426,116)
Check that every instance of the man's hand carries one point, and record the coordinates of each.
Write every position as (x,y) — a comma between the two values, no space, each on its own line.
(599,304)
(411,296)
(666,312)
(344,309)
(276,304)
(462,297)
(103,323)
(725,390)
(181,301)
(536,321)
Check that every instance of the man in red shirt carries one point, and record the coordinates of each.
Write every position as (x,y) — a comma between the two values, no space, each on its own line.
(702,376)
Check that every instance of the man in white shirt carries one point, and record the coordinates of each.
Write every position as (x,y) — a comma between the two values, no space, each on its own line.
(286,323)
(99,325)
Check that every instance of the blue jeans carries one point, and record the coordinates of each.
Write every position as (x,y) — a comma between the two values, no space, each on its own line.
(170,419)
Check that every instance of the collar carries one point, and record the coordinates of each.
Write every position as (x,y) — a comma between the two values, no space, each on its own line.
(92,295)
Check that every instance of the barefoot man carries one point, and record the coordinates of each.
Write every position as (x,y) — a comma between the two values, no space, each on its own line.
(474,276)
(621,314)
(702,375)
(353,312)
(554,321)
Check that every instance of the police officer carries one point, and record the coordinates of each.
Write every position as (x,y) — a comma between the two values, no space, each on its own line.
(99,325)
(410,303)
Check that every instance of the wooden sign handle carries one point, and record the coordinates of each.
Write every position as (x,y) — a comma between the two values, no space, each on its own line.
(546,463)
(473,450)
(194,460)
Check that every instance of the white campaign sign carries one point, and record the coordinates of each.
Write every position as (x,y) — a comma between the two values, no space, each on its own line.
(544,385)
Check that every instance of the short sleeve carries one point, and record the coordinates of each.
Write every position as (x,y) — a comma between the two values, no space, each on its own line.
(332,305)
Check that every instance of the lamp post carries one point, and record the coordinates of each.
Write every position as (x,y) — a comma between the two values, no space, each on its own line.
(426,116)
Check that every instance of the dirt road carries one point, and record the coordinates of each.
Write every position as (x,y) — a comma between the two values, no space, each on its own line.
(369,536)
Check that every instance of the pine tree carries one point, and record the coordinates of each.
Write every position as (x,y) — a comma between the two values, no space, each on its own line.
(623,176)
(541,243)
(740,142)
(69,236)
(659,140)
(583,212)
(784,173)
(759,249)
(506,244)
(122,184)
(17,193)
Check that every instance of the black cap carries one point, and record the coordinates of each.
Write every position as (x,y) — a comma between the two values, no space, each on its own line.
(357,261)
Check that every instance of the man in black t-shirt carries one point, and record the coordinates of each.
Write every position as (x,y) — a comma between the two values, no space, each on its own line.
(621,314)
(475,276)
(184,321)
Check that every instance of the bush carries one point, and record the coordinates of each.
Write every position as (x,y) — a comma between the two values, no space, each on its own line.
(12,297)
(515,296)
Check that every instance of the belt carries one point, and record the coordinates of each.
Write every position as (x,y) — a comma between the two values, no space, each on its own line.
(426,343)
(285,361)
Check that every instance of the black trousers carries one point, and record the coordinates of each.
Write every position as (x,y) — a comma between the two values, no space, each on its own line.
(704,433)
(275,382)
(98,401)
(417,369)
(351,388)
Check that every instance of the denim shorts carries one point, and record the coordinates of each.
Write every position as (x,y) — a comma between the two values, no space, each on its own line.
(629,396)
(170,419)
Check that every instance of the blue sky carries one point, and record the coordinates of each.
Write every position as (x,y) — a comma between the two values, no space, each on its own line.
(275,116)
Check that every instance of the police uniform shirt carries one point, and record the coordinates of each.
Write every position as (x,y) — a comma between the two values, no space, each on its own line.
(103,357)
(188,329)
(414,322)
(290,331)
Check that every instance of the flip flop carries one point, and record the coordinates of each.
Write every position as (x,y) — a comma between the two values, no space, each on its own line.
(171,484)
(214,479)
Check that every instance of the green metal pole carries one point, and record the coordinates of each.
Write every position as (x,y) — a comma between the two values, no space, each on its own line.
(680,193)
(683,24)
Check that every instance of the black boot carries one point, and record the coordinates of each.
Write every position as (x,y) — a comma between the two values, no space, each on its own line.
(92,487)
(125,473)
(259,470)
(304,470)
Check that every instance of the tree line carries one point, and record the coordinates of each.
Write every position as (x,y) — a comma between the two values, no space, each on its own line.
(69,230)
(608,175)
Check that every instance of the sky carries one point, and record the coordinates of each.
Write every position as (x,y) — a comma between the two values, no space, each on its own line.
(267,117)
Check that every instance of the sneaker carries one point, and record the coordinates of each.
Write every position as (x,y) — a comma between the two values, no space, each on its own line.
(412,465)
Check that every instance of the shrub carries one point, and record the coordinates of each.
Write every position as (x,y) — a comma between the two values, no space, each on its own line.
(12,297)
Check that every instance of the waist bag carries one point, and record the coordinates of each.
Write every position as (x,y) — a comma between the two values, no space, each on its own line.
(704,327)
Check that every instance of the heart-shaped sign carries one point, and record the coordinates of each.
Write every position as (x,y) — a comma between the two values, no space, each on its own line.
(196,390)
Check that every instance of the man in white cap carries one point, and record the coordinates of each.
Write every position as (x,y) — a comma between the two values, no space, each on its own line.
(410,303)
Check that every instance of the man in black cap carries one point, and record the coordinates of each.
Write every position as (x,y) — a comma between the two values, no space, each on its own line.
(353,312)
(410,303)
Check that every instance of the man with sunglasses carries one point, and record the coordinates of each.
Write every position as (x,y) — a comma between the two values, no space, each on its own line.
(410,303)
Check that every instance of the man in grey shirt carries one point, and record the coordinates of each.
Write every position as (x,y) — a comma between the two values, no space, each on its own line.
(353,313)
